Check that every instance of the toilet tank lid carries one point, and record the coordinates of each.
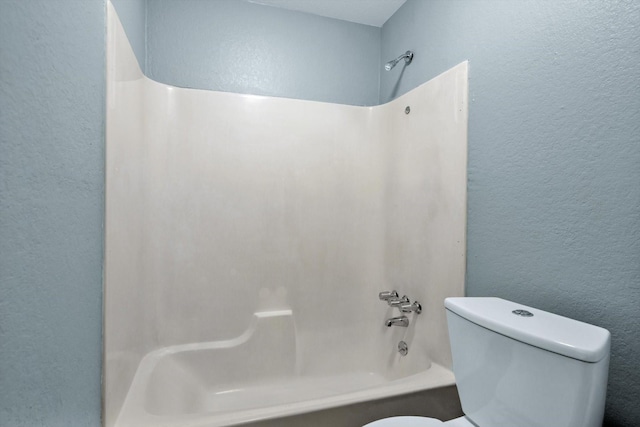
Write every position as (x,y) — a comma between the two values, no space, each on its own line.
(548,331)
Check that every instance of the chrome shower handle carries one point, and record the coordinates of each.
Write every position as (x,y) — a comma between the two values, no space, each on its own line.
(387,295)
(397,302)
(408,307)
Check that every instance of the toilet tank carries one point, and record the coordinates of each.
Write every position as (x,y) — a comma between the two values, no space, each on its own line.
(518,366)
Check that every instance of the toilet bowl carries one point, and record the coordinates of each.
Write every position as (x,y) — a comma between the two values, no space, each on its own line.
(420,422)
(518,366)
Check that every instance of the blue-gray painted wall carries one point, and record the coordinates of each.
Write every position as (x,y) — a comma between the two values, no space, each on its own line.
(236,46)
(554,173)
(554,156)
(242,47)
(52,93)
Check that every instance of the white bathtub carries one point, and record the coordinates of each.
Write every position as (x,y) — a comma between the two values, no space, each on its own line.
(229,215)
(258,376)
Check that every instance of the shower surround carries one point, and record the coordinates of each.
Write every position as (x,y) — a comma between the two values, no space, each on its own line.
(247,238)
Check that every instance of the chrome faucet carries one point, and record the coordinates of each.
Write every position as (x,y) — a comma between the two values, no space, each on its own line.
(408,307)
(398,321)
(398,302)
(387,295)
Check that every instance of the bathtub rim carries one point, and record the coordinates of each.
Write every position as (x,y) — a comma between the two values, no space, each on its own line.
(134,412)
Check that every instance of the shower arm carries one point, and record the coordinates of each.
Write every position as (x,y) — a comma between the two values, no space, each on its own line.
(407,56)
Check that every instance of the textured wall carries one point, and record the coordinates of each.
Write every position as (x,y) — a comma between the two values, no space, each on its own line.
(51,210)
(554,177)
(554,156)
(236,46)
(133,14)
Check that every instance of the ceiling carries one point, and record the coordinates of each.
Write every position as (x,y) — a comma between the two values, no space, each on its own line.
(368,12)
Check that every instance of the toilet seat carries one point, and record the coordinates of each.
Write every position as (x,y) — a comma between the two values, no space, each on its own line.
(420,422)
(406,422)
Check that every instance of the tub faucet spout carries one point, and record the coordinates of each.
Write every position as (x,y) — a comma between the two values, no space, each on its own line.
(398,321)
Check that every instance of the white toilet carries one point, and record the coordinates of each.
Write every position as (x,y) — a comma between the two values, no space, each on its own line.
(516,366)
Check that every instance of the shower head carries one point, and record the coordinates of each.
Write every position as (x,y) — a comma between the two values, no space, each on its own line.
(407,56)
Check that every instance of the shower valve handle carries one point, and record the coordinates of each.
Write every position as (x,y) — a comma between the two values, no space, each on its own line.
(387,295)
(408,307)
(398,302)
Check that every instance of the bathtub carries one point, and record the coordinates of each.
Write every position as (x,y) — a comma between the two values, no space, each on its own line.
(257,377)
(247,239)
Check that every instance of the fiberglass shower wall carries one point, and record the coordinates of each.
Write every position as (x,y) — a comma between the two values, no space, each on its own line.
(220,205)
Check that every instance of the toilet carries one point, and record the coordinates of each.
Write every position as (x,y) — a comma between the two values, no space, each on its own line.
(516,366)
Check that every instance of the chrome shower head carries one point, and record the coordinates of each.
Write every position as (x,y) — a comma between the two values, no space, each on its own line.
(407,56)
